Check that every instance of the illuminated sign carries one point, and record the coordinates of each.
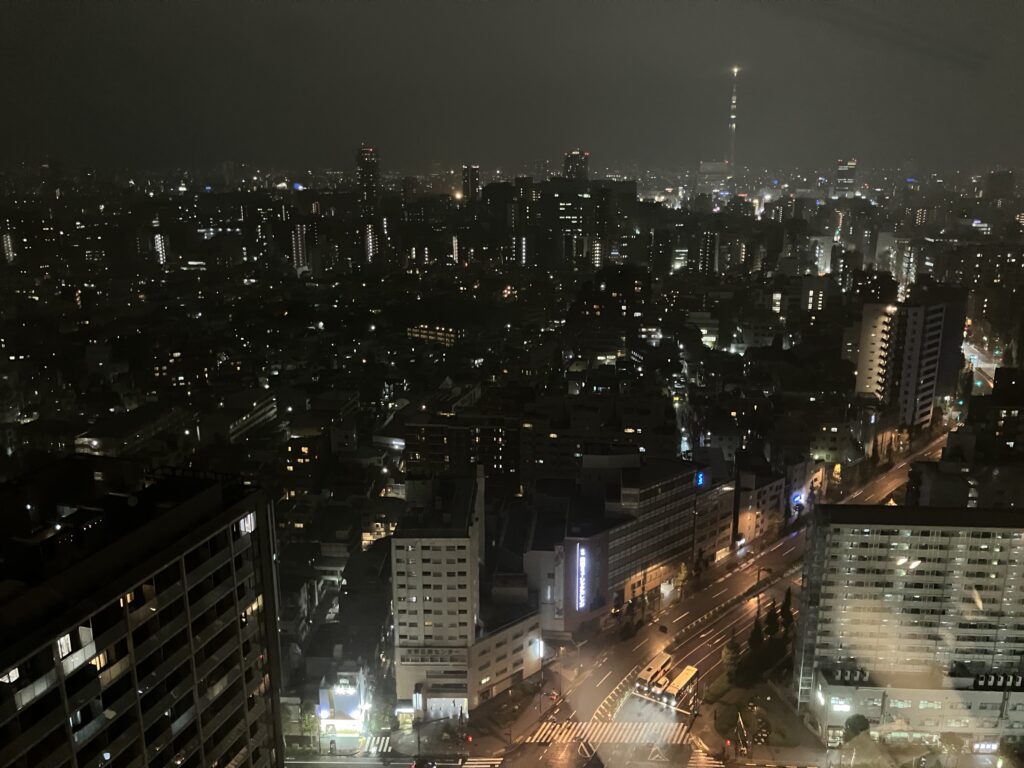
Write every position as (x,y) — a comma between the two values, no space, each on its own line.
(700,479)
(581,578)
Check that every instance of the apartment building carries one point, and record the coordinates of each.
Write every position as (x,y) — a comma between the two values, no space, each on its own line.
(913,617)
(137,621)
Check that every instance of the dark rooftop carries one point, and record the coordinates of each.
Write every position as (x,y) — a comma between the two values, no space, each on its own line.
(956,517)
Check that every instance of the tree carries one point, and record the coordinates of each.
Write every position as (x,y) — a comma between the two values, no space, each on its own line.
(756,635)
(682,575)
(731,653)
(308,721)
(854,726)
(952,743)
(771,620)
(786,612)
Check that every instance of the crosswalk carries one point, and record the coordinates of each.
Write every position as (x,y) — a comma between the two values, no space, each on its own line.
(701,759)
(610,733)
(483,762)
(375,745)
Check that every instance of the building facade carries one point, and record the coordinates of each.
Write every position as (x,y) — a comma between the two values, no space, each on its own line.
(913,618)
(138,619)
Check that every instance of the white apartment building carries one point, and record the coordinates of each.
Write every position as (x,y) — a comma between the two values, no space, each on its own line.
(873,356)
(914,618)
(448,657)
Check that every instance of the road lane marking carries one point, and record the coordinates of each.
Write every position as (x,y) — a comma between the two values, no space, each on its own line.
(642,642)
(719,593)
(681,617)
(607,675)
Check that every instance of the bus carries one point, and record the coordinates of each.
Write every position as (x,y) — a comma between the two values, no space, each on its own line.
(682,689)
(658,689)
(658,667)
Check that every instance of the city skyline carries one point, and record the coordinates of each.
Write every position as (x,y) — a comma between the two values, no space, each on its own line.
(299,85)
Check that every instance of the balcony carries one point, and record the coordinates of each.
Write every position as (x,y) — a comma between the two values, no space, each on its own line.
(156,710)
(158,639)
(32,735)
(204,569)
(150,608)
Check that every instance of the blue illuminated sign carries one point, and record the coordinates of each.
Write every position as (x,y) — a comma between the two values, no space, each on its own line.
(581,578)
(700,480)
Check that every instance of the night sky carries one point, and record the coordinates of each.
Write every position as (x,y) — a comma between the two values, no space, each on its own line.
(293,84)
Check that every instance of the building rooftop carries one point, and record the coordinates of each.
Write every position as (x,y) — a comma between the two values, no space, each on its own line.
(450,514)
(955,517)
(80,531)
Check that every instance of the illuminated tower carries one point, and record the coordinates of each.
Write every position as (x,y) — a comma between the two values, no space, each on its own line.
(732,120)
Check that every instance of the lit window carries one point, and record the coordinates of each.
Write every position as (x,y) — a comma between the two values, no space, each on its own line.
(64,646)
(248,523)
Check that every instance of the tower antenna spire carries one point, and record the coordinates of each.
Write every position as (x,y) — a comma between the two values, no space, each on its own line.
(732,120)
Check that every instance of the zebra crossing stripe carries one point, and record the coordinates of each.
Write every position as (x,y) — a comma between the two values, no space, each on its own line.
(599,732)
(483,762)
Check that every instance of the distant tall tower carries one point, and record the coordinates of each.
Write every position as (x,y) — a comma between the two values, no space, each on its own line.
(732,119)
(368,190)
(367,181)
(576,166)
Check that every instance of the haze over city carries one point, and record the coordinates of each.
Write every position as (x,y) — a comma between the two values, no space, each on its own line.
(289,85)
(501,385)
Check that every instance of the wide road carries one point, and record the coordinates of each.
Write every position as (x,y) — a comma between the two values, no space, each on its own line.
(608,665)
(984,368)
(881,489)
(600,693)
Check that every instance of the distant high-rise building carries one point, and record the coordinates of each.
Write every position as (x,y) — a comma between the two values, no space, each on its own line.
(303,242)
(1000,185)
(368,191)
(139,620)
(576,165)
(706,262)
(712,176)
(470,184)
(367,181)
(846,177)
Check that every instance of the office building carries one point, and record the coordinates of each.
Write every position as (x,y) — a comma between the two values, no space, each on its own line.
(138,619)
(712,176)
(470,184)
(576,165)
(670,513)
(1000,185)
(911,617)
(845,183)
(453,649)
